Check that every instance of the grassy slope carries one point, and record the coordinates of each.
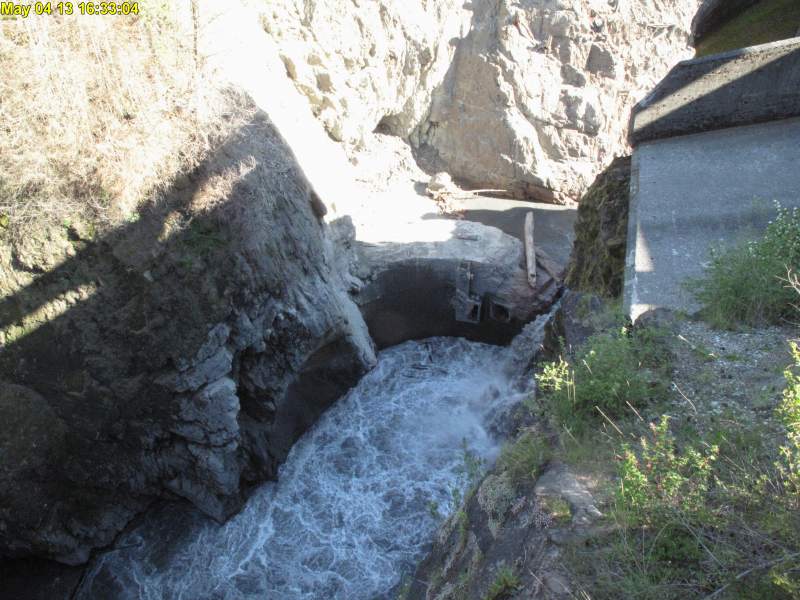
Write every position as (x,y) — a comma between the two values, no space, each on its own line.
(767,21)
(728,388)
(105,113)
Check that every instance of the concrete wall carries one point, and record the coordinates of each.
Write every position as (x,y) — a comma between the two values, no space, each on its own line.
(716,144)
(694,192)
(470,282)
(751,85)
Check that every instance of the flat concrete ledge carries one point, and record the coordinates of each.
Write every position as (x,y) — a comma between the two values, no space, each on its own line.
(692,193)
(741,87)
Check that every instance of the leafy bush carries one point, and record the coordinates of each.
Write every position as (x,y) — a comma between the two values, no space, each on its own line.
(747,284)
(608,372)
(524,457)
(660,483)
(789,412)
(697,520)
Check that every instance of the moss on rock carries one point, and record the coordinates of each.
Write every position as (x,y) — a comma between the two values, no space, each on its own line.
(597,263)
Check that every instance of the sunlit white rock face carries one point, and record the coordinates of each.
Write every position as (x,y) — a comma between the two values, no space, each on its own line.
(532,96)
(357,501)
(360,61)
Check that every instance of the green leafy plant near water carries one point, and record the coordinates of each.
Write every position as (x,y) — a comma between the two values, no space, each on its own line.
(748,284)
(609,373)
(702,510)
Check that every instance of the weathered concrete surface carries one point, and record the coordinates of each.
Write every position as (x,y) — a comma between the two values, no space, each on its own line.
(691,193)
(554,224)
(741,87)
(466,280)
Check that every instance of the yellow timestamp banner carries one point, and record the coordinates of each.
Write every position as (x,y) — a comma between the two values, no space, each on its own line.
(18,10)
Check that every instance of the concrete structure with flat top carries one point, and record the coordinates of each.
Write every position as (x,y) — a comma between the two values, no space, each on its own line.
(716,145)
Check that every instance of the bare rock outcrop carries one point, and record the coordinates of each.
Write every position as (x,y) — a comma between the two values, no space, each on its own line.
(531,97)
(364,65)
(537,98)
(206,336)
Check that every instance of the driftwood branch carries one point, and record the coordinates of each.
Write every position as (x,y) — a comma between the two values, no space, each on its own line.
(530,250)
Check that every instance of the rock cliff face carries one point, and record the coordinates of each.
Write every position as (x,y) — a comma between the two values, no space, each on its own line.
(178,357)
(364,65)
(531,97)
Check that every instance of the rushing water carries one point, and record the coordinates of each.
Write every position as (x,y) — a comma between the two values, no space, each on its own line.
(351,512)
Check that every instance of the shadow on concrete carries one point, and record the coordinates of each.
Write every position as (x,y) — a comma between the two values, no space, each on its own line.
(742,87)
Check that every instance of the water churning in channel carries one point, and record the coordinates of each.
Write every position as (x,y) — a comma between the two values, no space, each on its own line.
(351,511)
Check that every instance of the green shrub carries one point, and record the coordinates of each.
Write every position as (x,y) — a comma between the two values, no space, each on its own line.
(608,372)
(789,412)
(704,513)
(747,284)
(505,583)
(659,548)
(525,457)
(659,483)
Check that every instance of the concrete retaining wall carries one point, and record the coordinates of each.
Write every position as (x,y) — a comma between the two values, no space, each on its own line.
(692,193)
(716,144)
(742,87)
(471,283)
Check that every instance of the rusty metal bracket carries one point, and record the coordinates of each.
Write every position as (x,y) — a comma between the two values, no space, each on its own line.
(468,306)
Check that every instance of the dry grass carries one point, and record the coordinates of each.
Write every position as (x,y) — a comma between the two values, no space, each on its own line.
(100,113)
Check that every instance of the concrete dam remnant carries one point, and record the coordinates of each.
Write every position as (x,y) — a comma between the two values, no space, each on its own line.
(716,145)
(472,284)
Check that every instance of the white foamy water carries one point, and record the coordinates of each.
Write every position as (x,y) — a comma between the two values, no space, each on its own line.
(351,513)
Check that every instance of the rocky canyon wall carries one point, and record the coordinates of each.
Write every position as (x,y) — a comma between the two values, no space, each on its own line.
(529,96)
(181,354)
